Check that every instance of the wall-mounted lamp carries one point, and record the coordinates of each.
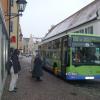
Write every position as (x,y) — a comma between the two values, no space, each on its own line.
(21,5)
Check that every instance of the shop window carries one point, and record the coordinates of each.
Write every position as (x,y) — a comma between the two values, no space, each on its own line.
(12,3)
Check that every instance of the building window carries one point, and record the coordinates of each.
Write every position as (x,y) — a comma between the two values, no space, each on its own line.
(90,29)
(11,26)
(86,30)
(76,32)
(81,31)
(12,3)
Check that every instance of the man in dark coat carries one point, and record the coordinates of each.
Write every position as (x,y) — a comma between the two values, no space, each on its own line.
(15,68)
(37,70)
(15,60)
(9,62)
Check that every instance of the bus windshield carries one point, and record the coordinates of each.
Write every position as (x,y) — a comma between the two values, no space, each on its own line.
(85,54)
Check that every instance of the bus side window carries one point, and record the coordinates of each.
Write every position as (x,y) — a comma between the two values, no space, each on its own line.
(66,59)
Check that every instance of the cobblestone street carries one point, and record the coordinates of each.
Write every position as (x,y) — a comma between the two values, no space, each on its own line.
(51,88)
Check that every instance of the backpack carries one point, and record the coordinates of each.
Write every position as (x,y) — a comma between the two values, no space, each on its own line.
(8,65)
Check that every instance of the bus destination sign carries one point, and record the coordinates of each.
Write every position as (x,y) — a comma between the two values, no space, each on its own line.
(85,39)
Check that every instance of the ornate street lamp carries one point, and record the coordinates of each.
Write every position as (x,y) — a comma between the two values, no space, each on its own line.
(21,5)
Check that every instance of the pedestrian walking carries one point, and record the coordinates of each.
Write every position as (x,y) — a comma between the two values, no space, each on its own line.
(37,71)
(15,68)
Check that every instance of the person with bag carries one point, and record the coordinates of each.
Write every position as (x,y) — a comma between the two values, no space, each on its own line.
(15,68)
(9,62)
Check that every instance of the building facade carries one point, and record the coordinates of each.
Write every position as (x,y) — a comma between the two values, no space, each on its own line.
(14,25)
(30,45)
(86,20)
(25,45)
(4,37)
(9,33)
(36,42)
(20,40)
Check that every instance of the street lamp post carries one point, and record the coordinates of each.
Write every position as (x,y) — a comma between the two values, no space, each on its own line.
(21,4)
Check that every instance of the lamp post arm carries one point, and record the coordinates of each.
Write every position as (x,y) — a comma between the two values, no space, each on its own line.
(17,15)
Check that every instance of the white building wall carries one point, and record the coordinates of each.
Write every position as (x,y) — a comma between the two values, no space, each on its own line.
(97,27)
(95,24)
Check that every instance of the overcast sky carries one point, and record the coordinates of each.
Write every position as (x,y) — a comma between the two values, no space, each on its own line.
(39,15)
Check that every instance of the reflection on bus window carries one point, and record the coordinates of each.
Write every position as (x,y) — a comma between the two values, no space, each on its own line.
(86,55)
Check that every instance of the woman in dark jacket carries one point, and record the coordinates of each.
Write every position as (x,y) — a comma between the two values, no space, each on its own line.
(37,70)
(15,68)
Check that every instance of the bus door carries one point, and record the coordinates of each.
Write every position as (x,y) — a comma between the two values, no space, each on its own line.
(64,56)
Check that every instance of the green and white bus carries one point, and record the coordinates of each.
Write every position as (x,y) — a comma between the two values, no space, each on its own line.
(75,56)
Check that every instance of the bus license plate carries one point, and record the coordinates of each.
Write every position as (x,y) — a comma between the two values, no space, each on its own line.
(89,77)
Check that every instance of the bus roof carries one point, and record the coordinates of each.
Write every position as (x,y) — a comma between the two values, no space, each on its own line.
(68,34)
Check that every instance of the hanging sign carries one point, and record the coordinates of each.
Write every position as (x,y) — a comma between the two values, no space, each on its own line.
(13,39)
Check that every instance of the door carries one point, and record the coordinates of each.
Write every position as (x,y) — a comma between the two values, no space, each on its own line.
(64,56)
